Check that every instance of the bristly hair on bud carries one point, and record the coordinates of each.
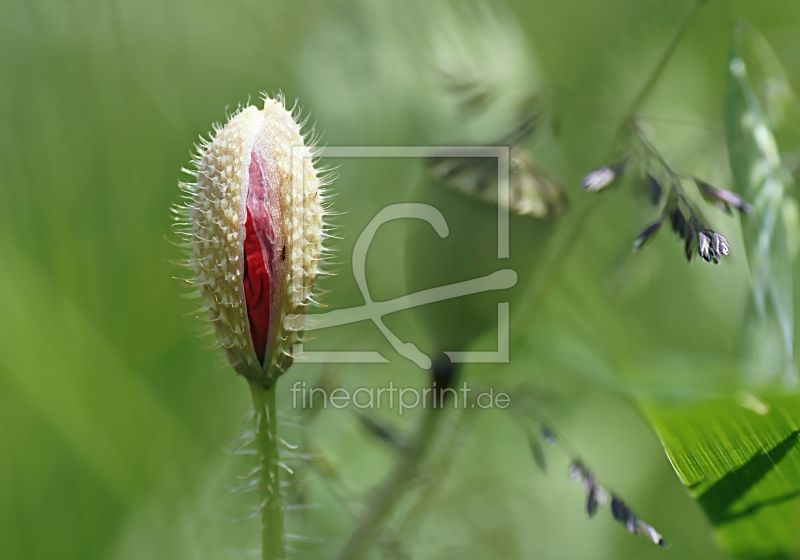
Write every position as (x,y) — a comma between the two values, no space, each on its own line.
(253,223)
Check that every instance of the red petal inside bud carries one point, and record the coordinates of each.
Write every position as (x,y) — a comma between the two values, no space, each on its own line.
(256,288)
(256,275)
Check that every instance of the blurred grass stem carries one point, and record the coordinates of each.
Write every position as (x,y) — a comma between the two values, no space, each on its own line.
(266,416)
(647,89)
(382,504)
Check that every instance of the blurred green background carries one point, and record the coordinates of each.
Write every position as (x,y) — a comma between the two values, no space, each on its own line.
(114,414)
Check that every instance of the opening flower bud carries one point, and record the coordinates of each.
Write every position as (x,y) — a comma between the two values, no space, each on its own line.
(255,215)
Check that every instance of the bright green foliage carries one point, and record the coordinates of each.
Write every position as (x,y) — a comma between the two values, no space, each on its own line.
(740,459)
(113,412)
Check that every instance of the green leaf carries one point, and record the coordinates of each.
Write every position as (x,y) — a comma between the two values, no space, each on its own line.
(753,111)
(740,459)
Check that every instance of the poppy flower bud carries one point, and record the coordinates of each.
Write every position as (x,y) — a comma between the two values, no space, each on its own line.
(255,216)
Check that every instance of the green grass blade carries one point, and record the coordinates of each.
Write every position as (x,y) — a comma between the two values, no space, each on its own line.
(759,176)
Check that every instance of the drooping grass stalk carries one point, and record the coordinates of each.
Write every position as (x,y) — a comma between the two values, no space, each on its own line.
(266,418)
(394,487)
(566,239)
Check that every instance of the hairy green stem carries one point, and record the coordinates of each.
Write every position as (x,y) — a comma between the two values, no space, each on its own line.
(266,417)
(394,487)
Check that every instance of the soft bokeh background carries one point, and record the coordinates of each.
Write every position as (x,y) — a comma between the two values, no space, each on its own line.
(114,415)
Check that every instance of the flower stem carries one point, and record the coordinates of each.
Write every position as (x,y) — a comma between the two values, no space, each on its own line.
(393,488)
(272,539)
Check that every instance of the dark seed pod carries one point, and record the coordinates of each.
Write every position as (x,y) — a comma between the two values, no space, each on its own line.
(725,200)
(646,235)
(618,509)
(624,515)
(592,503)
(691,240)
(653,188)
(678,222)
(548,435)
